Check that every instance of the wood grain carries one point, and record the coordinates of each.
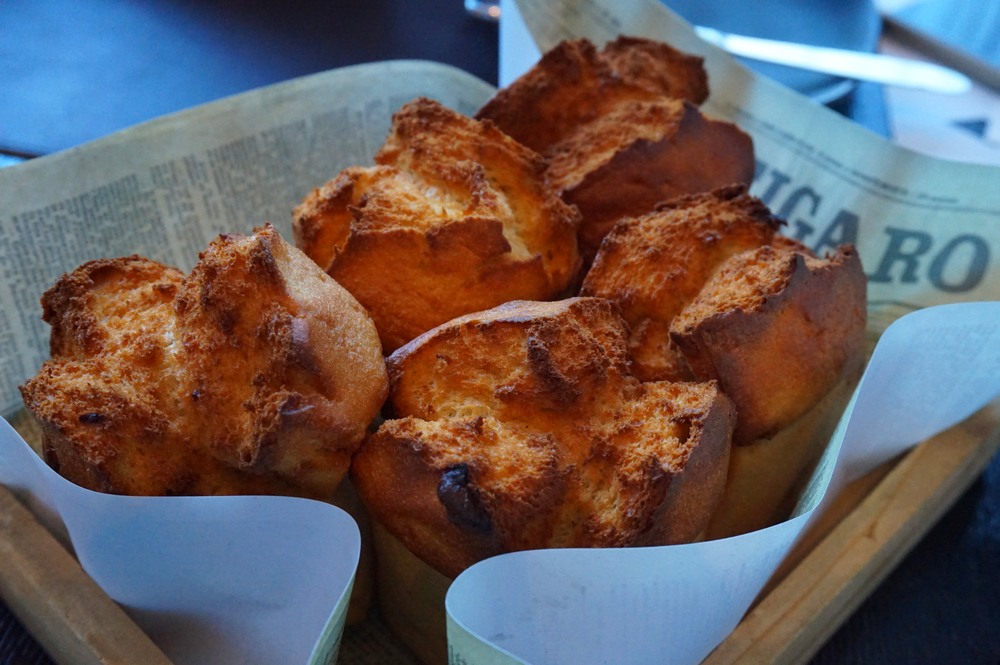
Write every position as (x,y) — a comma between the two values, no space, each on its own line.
(62,608)
(791,622)
(856,543)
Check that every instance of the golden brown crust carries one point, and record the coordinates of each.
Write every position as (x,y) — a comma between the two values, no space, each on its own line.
(439,486)
(766,478)
(255,373)
(521,360)
(76,306)
(640,154)
(521,427)
(621,129)
(655,265)
(574,83)
(778,330)
(712,292)
(455,218)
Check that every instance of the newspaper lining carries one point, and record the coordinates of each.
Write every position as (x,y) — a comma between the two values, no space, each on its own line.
(928,230)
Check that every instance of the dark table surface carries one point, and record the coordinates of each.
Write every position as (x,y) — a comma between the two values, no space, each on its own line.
(71,72)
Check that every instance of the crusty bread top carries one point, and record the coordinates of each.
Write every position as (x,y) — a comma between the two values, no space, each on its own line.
(499,177)
(778,329)
(655,265)
(621,129)
(254,373)
(640,154)
(455,218)
(519,360)
(710,290)
(521,427)
(574,83)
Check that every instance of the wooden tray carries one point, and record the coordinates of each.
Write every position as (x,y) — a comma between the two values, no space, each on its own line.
(856,543)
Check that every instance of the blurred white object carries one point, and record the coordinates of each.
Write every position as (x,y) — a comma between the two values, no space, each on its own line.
(840,62)
(845,24)
(855,65)
(961,35)
(963,128)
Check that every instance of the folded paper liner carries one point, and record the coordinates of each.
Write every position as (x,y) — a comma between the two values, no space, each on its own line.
(411,594)
(265,579)
(198,573)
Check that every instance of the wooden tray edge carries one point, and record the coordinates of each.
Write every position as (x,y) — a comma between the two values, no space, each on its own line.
(858,542)
(853,547)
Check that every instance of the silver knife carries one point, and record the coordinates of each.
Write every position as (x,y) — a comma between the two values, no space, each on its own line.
(858,65)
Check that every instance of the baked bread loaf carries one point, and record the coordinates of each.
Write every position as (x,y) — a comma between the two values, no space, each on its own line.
(778,329)
(654,266)
(454,218)
(711,291)
(521,427)
(256,373)
(640,154)
(575,83)
(619,137)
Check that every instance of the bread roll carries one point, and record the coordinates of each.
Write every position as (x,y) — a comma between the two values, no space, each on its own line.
(778,329)
(256,373)
(454,218)
(575,83)
(712,292)
(521,427)
(655,265)
(639,154)
(621,130)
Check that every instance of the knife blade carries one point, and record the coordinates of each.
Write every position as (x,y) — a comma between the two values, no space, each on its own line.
(858,65)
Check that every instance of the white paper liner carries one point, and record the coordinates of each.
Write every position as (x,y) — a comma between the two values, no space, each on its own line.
(210,579)
(257,579)
(262,585)
(675,604)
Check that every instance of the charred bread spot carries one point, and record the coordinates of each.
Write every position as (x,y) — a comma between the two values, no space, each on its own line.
(461,499)
(536,435)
